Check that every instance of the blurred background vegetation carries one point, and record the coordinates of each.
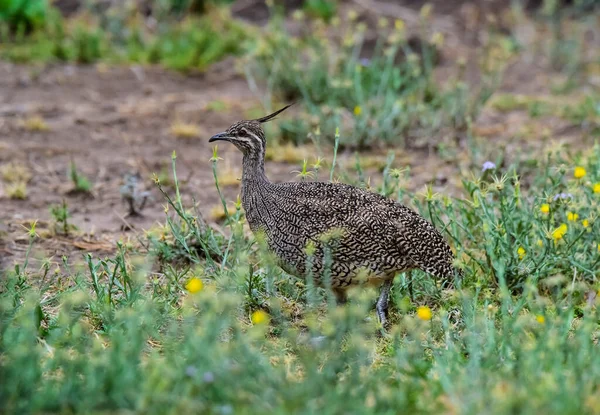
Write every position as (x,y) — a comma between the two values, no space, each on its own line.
(370,76)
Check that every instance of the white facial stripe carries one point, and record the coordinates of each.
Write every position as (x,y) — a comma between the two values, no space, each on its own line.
(256,138)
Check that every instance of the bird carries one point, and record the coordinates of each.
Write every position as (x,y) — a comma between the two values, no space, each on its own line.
(339,235)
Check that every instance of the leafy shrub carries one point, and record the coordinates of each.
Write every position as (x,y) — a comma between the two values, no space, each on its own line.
(23,15)
(194,44)
(324,9)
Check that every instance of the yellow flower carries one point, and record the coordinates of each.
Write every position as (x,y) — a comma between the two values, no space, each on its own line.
(521,252)
(437,39)
(426,10)
(559,232)
(357,110)
(579,172)
(596,188)
(540,319)
(572,216)
(424,313)
(540,243)
(399,24)
(585,223)
(598,247)
(545,208)
(260,317)
(194,285)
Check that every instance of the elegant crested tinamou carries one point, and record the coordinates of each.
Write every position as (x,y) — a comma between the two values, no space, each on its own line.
(372,238)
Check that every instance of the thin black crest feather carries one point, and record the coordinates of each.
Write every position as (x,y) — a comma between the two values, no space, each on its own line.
(269,117)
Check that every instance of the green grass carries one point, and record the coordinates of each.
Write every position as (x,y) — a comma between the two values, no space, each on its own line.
(122,333)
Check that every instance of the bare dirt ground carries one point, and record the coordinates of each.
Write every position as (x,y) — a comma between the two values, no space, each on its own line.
(109,123)
(115,121)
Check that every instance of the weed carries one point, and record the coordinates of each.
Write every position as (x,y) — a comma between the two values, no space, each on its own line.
(304,173)
(191,239)
(16,176)
(35,123)
(15,172)
(16,190)
(60,215)
(88,44)
(114,285)
(81,184)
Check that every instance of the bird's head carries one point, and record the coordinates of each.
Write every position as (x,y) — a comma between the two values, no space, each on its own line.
(248,135)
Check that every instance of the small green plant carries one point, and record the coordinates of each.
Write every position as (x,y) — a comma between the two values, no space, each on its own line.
(60,215)
(81,184)
(113,283)
(88,44)
(191,239)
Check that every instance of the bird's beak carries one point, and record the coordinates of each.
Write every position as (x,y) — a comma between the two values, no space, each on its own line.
(220,136)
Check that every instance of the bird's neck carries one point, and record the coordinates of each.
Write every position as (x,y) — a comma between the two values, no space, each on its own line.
(253,170)
(254,188)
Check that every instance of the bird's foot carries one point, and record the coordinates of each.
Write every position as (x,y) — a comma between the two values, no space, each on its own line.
(382,314)
(382,304)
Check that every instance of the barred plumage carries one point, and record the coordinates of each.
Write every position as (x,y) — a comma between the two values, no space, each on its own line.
(367,237)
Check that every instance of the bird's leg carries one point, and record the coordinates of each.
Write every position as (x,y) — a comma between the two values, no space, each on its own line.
(382,302)
(340,296)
